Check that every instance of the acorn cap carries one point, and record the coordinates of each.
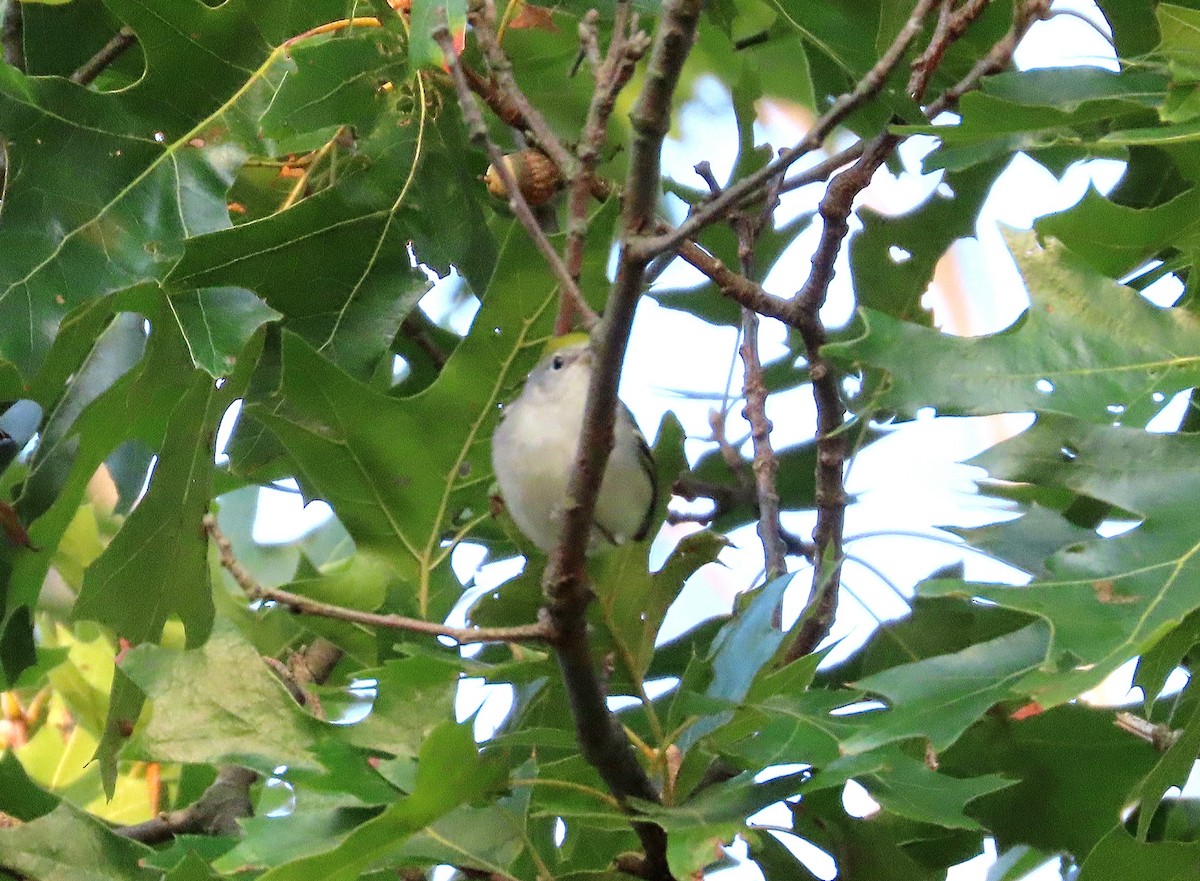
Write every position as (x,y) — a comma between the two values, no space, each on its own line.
(536,175)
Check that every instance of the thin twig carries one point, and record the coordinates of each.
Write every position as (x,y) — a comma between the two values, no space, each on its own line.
(754,389)
(864,90)
(998,58)
(482,16)
(824,169)
(414,328)
(110,52)
(766,464)
(835,208)
(625,49)
(516,200)
(925,64)
(462,635)
(1161,737)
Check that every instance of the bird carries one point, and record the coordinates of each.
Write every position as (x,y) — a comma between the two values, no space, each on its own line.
(534,448)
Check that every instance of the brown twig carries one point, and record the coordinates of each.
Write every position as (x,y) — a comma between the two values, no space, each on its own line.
(216,812)
(486,89)
(1161,737)
(482,16)
(462,635)
(413,327)
(765,464)
(834,209)
(731,197)
(109,52)
(611,73)
(516,200)
(998,58)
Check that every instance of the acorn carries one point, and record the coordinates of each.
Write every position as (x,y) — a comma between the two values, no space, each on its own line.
(536,176)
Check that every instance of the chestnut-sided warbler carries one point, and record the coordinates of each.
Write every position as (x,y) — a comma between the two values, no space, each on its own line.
(533,453)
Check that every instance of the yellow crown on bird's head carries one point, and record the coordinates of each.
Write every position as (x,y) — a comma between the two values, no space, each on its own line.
(566,341)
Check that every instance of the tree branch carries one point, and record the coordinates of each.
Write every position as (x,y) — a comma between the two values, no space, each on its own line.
(482,15)
(625,49)
(765,464)
(462,635)
(835,209)
(516,199)
(215,813)
(601,739)
(864,90)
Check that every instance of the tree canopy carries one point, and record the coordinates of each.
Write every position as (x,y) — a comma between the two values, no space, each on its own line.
(224,229)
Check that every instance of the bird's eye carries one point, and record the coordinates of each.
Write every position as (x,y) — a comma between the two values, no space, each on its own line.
(557,362)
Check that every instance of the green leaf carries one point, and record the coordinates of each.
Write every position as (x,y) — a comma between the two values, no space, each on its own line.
(157,565)
(1074,770)
(747,642)
(69,845)
(485,838)
(864,850)
(938,698)
(1116,239)
(1016,863)
(1085,345)
(909,788)
(318,821)
(994,127)
(1170,770)
(137,147)
(1069,88)
(1180,30)
(698,827)
(367,454)
(20,797)
(1107,599)
(634,602)
(933,627)
(449,772)
(217,323)
(1157,664)
(198,718)
(894,282)
(414,696)
(773,858)
(192,867)
(1028,541)
(1119,856)
(338,82)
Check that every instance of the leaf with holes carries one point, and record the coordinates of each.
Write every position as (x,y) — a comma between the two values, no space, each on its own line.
(1087,346)
(1106,599)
